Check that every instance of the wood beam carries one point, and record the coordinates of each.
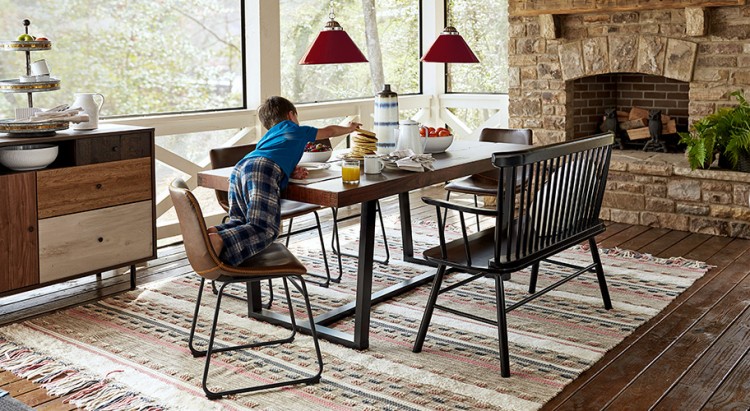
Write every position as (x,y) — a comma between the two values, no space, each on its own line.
(539,7)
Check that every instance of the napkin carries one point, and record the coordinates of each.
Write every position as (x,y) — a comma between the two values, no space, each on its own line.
(407,160)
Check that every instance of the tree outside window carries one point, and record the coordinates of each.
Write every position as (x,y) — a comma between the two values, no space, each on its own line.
(484,25)
(145,57)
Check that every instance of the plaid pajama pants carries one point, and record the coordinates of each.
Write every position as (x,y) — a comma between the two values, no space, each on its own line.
(254,211)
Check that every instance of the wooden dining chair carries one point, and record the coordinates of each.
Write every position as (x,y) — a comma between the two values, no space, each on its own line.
(485,184)
(555,207)
(274,262)
(228,157)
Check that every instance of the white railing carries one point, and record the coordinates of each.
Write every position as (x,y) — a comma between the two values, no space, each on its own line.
(494,113)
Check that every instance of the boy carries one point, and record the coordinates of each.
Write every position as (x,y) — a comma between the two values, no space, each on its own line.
(257,180)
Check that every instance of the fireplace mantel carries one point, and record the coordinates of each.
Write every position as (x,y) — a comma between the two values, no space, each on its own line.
(540,7)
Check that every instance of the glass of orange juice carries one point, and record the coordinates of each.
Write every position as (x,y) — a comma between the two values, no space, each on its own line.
(350,171)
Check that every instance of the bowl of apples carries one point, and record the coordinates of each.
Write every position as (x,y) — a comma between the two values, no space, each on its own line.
(316,152)
(438,139)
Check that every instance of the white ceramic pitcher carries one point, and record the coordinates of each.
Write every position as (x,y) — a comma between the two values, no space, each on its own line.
(409,137)
(89,105)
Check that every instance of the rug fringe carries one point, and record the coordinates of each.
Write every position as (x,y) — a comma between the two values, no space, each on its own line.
(59,379)
(672,261)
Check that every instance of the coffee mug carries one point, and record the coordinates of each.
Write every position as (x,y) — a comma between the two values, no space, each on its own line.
(39,68)
(373,164)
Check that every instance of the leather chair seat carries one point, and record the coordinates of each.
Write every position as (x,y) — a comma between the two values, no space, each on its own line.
(292,209)
(475,184)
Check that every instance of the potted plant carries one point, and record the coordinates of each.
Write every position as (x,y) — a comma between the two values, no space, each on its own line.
(726,132)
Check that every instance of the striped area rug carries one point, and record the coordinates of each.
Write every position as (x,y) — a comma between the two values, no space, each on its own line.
(130,351)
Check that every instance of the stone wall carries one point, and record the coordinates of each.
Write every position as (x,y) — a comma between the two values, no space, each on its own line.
(660,190)
(542,69)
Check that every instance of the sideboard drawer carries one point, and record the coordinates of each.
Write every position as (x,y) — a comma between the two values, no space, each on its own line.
(94,240)
(74,189)
(112,148)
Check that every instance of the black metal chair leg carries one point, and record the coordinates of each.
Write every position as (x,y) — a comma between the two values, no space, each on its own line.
(533,277)
(445,213)
(335,248)
(289,232)
(476,204)
(270,294)
(211,350)
(502,327)
(327,278)
(385,237)
(427,316)
(193,350)
(600,274)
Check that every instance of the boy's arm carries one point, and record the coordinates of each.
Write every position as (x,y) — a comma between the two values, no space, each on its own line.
(333,131)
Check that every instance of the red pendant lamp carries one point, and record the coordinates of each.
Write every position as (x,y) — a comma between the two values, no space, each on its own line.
(450,47)
(333,46)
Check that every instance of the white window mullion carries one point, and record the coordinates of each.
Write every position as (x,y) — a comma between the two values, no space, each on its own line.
(263,51)
(433,74)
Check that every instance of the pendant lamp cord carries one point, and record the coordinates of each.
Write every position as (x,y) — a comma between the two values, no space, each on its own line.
(332,15)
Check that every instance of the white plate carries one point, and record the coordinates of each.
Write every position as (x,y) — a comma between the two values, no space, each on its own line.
(314,166)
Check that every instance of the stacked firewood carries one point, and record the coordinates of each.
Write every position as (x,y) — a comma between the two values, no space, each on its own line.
(635,123)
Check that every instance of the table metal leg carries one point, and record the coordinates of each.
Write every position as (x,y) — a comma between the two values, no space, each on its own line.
(360,308)
(364,275)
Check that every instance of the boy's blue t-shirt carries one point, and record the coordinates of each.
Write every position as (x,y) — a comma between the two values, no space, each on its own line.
(284,144)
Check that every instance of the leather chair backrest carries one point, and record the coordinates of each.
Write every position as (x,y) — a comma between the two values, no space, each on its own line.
(504,135)
(195,237)
(507,135)
(227,157)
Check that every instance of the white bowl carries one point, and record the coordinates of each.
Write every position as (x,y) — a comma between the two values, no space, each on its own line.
(437,144)
(315,157)
(28,156)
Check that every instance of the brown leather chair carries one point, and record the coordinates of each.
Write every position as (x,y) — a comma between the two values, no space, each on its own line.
(485,184)
(228,157)
(272,263)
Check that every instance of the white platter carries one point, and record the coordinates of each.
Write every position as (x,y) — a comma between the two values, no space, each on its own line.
(314,166)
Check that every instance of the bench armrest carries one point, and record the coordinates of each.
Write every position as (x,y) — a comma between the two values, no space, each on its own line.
(460,208)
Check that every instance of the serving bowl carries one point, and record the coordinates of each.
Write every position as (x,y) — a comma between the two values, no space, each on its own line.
(437,144)
(28,156)
(315,156)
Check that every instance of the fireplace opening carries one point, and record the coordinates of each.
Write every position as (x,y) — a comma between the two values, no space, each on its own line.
(628,99)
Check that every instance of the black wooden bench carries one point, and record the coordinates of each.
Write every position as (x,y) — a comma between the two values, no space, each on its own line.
(548,200)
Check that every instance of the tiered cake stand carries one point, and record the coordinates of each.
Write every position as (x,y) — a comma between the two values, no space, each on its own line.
(29,128)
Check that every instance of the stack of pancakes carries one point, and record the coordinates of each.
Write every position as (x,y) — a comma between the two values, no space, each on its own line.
(363,143)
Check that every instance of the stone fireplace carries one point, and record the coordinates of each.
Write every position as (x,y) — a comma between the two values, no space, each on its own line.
(684,60)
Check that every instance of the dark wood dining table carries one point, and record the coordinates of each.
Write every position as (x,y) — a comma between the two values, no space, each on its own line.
(462,158)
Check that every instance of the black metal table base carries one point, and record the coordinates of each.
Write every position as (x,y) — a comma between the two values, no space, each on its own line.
(365,298)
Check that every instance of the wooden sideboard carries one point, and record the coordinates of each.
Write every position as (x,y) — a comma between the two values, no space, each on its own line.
(89,211)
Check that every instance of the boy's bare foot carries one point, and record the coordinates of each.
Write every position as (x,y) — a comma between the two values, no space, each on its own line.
(217,243)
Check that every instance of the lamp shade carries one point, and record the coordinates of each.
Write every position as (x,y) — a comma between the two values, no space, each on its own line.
(450,47)
(333,46)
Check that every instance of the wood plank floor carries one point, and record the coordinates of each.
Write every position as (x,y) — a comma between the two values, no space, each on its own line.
(694,355)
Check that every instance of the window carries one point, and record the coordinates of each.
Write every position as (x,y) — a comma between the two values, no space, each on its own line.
(484,25)
(145,57)
(398,34)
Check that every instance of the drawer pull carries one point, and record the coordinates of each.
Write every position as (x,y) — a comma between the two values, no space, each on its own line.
(100,239)
(116,148)
(31,229)
(99,186)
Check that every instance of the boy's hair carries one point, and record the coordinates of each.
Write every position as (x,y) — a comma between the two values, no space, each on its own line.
(275,110)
